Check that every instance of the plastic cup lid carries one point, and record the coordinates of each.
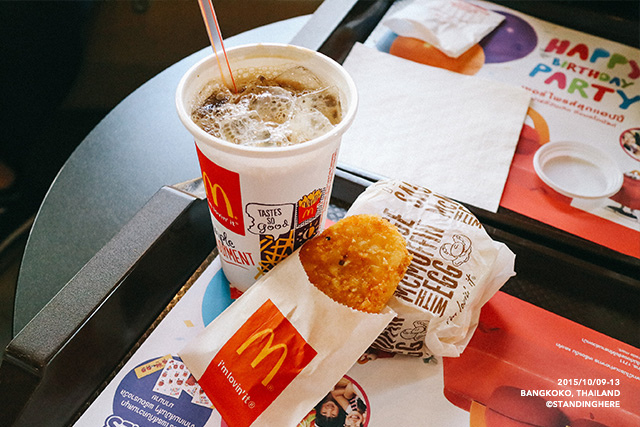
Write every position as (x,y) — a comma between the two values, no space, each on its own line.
(577,170)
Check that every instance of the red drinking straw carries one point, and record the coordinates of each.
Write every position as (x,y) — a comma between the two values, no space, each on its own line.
(209,15)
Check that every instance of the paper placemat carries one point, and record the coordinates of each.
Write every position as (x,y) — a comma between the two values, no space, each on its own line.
(452,133)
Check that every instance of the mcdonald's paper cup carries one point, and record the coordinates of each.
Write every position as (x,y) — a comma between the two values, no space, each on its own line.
(265,201)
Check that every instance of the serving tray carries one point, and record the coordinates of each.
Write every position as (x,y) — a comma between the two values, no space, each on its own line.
(60,359)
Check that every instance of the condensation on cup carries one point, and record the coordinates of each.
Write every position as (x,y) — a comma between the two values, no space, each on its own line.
(265,201)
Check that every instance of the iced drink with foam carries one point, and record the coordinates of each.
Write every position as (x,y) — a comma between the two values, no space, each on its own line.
(272,107)
(267,151)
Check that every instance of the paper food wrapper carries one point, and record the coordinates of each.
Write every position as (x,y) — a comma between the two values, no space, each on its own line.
(456,268)
(452,26)
(279,349)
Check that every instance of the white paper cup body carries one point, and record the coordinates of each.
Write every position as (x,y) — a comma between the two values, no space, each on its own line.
(265,201)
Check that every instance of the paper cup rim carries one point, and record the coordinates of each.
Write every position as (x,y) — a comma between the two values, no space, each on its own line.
(601,160)
(201,136)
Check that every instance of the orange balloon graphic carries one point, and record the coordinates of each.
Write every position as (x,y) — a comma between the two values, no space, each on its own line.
(416,50)
(540,124)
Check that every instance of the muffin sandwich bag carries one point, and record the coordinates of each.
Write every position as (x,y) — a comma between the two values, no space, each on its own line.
(456,268)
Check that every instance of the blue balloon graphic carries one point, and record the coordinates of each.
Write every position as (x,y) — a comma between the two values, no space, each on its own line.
(216,298)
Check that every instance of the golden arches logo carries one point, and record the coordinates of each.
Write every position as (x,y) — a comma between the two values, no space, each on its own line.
(262,358)
(214,190)
(267,349)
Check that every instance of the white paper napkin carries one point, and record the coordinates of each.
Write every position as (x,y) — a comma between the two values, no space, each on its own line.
(453,26)
(452,133)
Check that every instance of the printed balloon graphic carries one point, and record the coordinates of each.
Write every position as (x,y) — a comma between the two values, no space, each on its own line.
(419,51)
(535,132)
(216,298)
(514,38)
(416,50)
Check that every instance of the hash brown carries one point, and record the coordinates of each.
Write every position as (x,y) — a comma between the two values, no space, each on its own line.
(358,261)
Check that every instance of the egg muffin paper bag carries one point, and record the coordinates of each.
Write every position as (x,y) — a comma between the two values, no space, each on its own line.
(455,269)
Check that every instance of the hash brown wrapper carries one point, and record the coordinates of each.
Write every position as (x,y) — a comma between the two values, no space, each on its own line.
(456,268)
(238,358)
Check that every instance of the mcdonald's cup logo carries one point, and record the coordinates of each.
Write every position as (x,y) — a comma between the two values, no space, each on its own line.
(223,194)
(255,366)
(308,206)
